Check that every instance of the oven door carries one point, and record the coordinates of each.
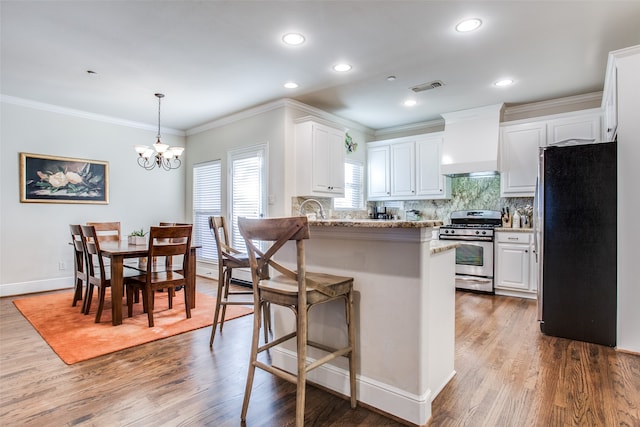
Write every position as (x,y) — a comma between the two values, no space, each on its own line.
(474,258)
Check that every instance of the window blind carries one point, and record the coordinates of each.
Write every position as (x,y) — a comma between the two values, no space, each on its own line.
(207,196)
(353,187)
(247,189)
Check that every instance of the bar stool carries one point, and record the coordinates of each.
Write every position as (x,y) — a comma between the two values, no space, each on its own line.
(298,290)
(230,258)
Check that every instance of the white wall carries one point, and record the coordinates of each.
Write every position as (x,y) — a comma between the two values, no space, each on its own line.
(628,201)
(271,123)
(34,236)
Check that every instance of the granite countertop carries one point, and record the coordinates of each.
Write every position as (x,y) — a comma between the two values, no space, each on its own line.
(515,230)
(374,223)
(438,246)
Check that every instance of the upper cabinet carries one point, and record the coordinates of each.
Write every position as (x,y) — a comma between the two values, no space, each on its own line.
(519,145)
(406,169)
(520,142)
(320,160)
(430,183)
(379,171)
(585,127)
(610,102)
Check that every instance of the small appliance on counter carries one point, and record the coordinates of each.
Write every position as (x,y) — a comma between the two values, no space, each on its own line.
(381,213)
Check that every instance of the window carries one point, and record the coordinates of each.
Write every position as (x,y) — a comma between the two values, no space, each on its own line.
(353,194)
(207,202)
(247,188)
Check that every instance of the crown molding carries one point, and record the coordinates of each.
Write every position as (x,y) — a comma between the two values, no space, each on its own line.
(552,103)
(7,99)
(422,127)
(274,105)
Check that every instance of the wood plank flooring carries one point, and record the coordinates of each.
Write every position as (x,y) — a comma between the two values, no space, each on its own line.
(508,374)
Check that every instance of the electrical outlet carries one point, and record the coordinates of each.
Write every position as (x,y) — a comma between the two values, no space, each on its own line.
(61,266)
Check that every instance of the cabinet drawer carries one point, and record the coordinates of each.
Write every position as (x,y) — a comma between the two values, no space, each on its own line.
(509,237)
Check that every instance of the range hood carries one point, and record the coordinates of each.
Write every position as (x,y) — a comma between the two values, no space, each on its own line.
(471,141)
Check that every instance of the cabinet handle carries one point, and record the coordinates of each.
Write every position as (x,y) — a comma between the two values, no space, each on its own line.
(512,238)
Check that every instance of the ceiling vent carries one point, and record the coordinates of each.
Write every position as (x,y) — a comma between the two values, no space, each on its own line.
(428,86)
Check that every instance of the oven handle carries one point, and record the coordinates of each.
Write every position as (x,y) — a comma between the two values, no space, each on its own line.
(473,279)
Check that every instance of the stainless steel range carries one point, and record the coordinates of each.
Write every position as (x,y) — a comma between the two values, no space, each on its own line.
(474,230)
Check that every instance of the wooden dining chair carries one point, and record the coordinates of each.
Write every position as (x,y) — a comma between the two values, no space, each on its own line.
(79,267)
(172,241)
(298,290)
(229,258)
(97,275)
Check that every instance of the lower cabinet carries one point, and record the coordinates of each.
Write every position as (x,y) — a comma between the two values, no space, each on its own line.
(515,264)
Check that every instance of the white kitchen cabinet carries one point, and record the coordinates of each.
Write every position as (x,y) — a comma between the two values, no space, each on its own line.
(519,146)
(580,126)
(429,181)
(379,171)
(515,267)
(406,169)
(320,160)
(403,169)
(610,103)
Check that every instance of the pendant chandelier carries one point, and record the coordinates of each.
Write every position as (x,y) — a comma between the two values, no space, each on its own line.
(160,155)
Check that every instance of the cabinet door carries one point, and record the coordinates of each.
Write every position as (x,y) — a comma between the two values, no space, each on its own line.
(429,180)
(378,166)
(519,146)
(533,270)
(579,127)
(512,266)
(610,98)
(327,161)
(403,170)
(336,161)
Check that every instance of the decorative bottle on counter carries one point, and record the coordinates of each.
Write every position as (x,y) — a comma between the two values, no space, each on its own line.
(516,220)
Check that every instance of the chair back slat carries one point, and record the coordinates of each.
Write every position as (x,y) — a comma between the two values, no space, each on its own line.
(107,231)
(276,232)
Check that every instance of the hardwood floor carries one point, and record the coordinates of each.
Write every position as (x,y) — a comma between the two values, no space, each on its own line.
(508,374)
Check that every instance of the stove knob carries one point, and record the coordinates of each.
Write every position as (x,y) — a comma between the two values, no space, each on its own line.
(477,232)
(484,232)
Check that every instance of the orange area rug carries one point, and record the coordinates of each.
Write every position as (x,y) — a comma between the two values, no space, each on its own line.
(75,337)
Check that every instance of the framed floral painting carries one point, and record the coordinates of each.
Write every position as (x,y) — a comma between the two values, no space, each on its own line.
(53,179)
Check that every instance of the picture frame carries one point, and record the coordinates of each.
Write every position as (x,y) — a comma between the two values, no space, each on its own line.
(55,179)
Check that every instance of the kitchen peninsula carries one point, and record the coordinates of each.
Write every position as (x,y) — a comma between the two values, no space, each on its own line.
(404,308)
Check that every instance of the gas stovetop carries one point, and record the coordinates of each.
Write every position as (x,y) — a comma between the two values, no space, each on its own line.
(471,225)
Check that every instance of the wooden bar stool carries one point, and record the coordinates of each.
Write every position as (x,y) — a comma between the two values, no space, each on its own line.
(298,290)
(228,259)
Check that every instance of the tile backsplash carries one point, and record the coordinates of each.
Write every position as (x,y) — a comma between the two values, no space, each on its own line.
(466,193)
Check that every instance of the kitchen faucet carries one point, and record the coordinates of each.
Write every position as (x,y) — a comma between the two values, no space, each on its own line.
(311,200)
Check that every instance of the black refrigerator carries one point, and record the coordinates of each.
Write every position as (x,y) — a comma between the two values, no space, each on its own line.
(575,239)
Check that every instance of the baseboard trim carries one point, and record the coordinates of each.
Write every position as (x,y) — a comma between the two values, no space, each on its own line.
(12,289)
(412,408)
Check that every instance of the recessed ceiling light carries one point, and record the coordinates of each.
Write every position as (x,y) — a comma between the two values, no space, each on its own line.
(410,102)
(391,78)
(503,82)
(341,67)
(293,39)
(468,25)
(291,85)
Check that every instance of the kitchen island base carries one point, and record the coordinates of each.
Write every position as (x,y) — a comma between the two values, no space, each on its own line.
(404,314)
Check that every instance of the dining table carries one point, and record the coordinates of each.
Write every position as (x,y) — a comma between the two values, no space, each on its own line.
(118,251)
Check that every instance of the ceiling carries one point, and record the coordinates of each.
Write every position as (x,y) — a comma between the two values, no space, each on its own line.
(214,58)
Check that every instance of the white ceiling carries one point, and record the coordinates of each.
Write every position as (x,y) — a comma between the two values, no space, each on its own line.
(213,58)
